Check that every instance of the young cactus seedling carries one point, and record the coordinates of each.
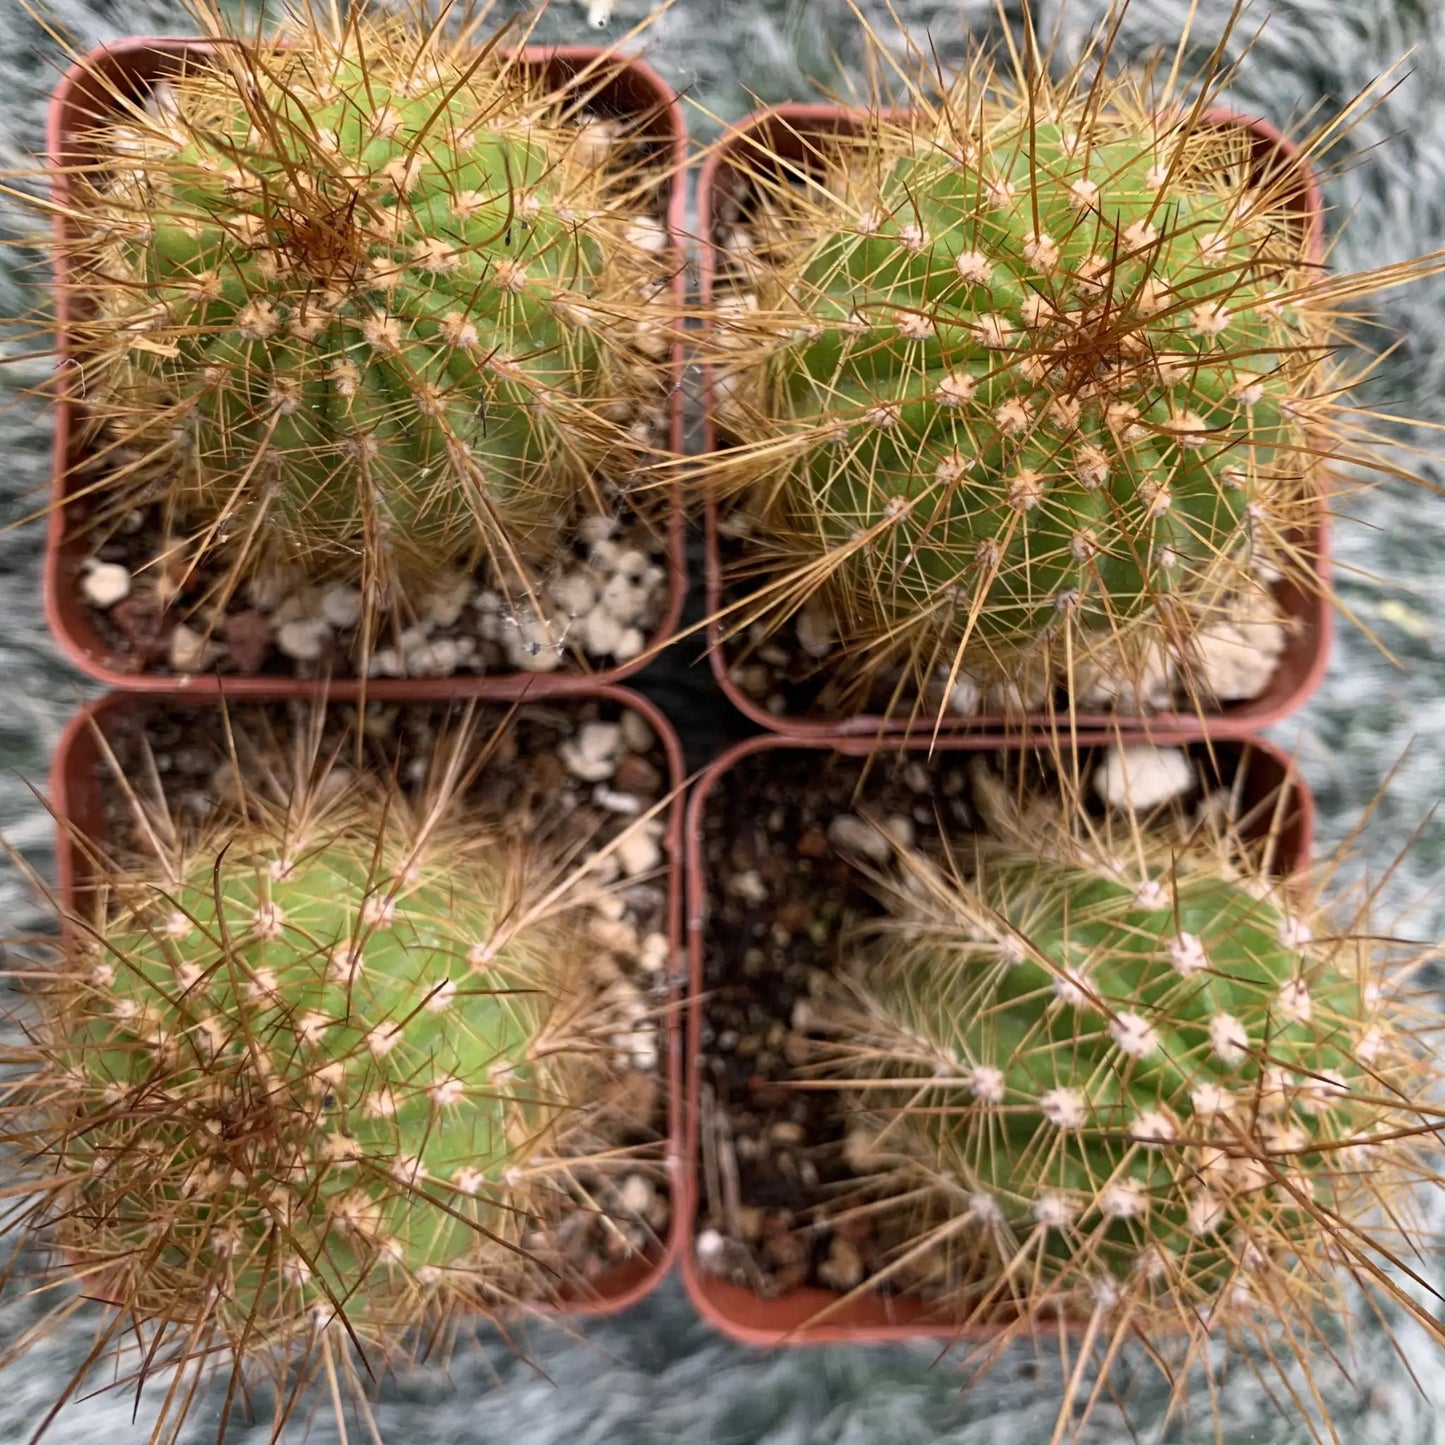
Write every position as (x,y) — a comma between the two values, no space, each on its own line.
(364,302)
(1126,1080)
(1029,384)
(333,1073)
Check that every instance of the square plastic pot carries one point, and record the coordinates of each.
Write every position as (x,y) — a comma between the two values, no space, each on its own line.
(799,135)
(132,67)
(792,1318)
(75,796)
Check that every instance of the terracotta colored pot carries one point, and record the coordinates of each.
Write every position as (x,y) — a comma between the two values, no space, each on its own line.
(79,102)
(797,132)
(75,795)
(870,1318)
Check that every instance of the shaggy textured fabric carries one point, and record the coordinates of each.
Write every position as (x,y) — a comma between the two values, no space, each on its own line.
(658,1374)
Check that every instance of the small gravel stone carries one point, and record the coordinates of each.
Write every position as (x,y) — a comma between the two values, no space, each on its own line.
(614,801)
(623,598)
(636,774)
(636,1194)
(637,733)
(438,657)
(248,639)
(1236,660)
(965,697)
(629,645)
(596,528)
(103,584)
(748,885)
(601,633)
(638,850)
(653,955)
(851,834)
(816,633)
(712,1251)
(593,753)
(341,605)
(446,599)
(573,592)
(532,644)
(191,651)
(843,1269)
(304,640)
(1141,776)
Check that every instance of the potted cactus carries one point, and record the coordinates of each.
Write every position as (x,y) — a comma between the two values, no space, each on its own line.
(987,1044)
(1028,395)
(356,1032)
(365,331)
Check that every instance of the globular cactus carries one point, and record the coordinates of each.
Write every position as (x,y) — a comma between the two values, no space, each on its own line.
(367,302)
(1029,386)
(339,1070)
(1147,1090)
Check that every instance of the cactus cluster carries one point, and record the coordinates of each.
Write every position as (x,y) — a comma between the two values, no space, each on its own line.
(340,1068)
(366,301)
(1023,383)
(1146,1088)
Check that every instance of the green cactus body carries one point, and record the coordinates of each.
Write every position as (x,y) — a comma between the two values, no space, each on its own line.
(352,1076)
(1156,1078)
(367,304)
(1024,381)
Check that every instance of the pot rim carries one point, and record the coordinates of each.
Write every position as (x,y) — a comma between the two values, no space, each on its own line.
(732,1309)
(1233,721)
(633,1280)
(65,616)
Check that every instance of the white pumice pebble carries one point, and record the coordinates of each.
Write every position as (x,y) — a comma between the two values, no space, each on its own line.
(103,584)
(636,1194)
(446,599)
(304,640)
(592,755)
(816,633)
(851,834)
(623,598)
(629,645)
(596,528)
(436,658)
(1139,776)
(385,662)
(612,801)
(341,605)
(652,957)
(190,651)
(637,733)
(601,633)
(531,643)
(1234,661)
(639,850)
(573,592)
(712,1251)
(965,697)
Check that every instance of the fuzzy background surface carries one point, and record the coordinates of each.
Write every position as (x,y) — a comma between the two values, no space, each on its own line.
(658,1374)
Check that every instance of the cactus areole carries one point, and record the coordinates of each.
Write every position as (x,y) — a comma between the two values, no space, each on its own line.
(357,287)
(1122,1046)
(1019,375)
(311,1083)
